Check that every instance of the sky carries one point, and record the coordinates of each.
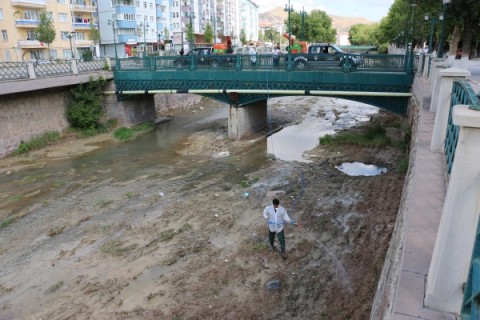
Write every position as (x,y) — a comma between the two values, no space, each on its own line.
(373,10)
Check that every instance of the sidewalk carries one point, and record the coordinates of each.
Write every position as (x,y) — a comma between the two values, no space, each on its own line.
(425,194)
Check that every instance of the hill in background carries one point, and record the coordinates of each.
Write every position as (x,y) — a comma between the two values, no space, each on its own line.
(277,16)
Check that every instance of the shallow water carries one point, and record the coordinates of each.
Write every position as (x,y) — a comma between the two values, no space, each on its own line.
(360,169)
(291,143)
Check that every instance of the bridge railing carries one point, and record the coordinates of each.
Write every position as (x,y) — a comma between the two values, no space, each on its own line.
(46,68)
(462,93)
(267,61)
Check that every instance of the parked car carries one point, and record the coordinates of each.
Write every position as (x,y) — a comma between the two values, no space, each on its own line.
(205,57)
(326,55)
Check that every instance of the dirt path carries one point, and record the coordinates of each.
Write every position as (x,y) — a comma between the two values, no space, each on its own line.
(167,245)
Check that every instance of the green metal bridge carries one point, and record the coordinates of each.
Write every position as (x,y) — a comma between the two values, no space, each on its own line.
(383,81)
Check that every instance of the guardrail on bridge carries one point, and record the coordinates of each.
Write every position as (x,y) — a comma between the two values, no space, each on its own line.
(31,70)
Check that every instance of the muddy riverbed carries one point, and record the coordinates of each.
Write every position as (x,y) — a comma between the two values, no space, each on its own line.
(182,237)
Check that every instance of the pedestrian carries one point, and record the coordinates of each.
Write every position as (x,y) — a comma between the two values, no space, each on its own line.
(276,217)
(276,55)
(182,52)
(253,55)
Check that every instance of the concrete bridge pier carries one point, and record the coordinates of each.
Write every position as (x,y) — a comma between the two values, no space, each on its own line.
(131,110)
(246,120)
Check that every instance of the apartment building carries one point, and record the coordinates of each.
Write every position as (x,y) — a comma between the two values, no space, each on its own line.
(73,21)
(137,27)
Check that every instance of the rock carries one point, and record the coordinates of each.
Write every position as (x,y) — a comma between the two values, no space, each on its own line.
(273,284)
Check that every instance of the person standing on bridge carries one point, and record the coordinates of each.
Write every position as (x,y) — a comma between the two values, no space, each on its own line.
(276,56)
(253,55)
(276,217)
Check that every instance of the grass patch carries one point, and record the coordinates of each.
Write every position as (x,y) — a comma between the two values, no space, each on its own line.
(166,235)
(38,142)
(104,203)
(116,248)
(403,165)
(55,287)
(124,133)
(374,136)
(6,222)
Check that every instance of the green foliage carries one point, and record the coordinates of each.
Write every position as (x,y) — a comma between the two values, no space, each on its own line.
(317,26)
(243,37)
(94,33)
(38,142)
(362,34)
(372,137)
(55,287)
(124,133)
(45,31)
(85,110)
(6,222)
(87,55)
(208,33)
(272,35)
(190,34)
(403,165)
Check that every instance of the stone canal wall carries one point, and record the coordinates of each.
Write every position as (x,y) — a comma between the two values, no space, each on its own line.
(26,115)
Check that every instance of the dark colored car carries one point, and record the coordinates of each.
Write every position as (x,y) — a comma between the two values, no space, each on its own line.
(206,58)
(326,55)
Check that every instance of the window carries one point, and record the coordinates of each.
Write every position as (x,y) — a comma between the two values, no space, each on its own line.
(145,5)
(80,35)
(67,53)
(150,6)
(37,54)
(31,15)
(8,57)
(61,1)
(65,35)
(4,35)
(1,14)
(63,17)
(31,35)
(53,53)
(137,4)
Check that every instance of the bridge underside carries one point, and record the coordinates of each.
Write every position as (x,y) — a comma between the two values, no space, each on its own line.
(380,89)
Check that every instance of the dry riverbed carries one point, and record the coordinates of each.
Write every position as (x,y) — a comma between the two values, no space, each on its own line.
(183,243)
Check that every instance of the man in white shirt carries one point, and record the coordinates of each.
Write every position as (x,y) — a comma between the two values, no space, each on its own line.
(276,217)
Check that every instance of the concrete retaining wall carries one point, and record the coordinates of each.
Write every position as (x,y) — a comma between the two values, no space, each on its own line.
(24,116)
(389,277)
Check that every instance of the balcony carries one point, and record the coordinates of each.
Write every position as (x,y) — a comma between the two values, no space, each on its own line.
(82,8)
(83,25)
(35,4)
(31,44)
(83,43)
(26,23)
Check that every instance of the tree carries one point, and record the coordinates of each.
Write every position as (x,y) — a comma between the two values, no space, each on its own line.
(243,37)
(208,33)
(94,34)
(362,34)
(46,31)
(272,35)
(317,24)
(465,14)
(190,35)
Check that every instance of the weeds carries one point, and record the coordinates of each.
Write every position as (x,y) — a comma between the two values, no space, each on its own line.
(38,142)
(372,137)
(6,222)
(116,248)
(124,133)
(104,203)
(55,287)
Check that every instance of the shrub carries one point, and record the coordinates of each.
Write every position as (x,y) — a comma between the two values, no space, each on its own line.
(38,142)
(85,110)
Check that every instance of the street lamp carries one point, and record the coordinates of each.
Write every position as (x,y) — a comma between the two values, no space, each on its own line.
(112,23)
(303,13)
(214,28)
(442,37)
(432,30)
(70,36)
(289,9)
(144,25)
(190,33)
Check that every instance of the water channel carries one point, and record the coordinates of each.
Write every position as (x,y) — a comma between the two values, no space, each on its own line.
(127,160)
